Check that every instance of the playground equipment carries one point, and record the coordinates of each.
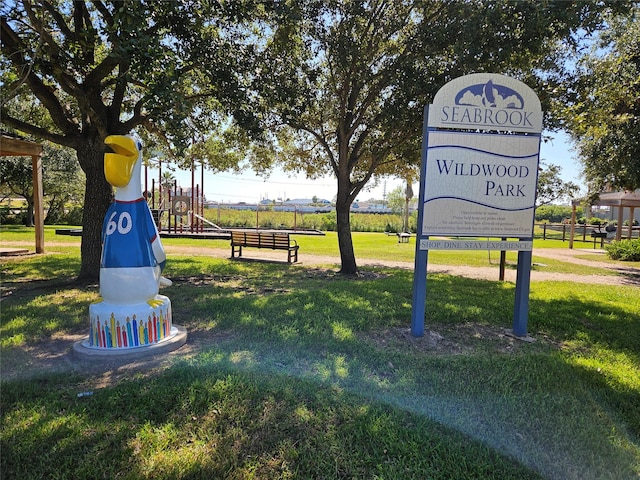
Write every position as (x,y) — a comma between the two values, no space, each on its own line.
(182,208)
(130,314)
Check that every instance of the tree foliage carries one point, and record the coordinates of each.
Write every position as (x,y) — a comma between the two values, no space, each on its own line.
(551,187)
(396,199)
(555,213)
(102,68)
(357,74)
(16,180)
(603,112)
(339,88)
(61,181)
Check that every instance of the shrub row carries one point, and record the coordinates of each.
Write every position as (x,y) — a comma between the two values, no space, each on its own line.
(625,250)
(360,222)
(14,216)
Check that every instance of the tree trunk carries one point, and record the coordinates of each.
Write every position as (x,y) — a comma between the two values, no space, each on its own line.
(28,219)
(97,197)
(345,242)
(55,210)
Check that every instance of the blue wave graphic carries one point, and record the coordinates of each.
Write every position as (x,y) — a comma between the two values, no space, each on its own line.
(479,203)
(522,157)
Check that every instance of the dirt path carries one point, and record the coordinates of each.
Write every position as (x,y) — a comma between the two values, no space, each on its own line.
(622,276)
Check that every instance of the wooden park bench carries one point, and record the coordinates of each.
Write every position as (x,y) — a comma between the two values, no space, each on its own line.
(272,240)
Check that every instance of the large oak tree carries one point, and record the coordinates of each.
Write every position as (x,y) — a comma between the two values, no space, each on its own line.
(109,67)
(349,78)
(602,107)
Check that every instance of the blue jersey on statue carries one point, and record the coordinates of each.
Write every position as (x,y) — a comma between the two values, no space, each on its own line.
(127,234)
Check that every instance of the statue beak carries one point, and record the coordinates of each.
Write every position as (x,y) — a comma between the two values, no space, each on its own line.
(118,165)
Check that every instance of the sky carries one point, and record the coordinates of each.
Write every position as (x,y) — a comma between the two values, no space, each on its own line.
(228,187)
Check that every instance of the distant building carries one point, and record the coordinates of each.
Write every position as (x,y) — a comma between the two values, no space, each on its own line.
(306,201)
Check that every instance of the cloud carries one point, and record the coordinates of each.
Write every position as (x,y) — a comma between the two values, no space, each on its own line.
(512,101)
(470,99)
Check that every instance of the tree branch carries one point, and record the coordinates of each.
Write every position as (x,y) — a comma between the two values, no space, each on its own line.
(321,140)
(66,139)
(13,49)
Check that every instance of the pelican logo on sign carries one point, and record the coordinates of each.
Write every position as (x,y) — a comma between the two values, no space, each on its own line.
(481,149)
(490,95)
(491,102)
(488,105)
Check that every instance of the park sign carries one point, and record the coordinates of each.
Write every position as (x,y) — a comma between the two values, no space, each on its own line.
(478,178)
(481,159)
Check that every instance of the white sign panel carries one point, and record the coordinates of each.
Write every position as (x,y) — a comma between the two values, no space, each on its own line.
(480,184)
(474,245)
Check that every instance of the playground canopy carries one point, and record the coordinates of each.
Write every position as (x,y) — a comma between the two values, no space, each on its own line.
(15,147)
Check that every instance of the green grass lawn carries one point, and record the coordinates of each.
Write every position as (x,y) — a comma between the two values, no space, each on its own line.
(311,375)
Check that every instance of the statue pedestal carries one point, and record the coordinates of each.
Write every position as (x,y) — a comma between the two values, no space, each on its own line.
(130,331)
(113,326)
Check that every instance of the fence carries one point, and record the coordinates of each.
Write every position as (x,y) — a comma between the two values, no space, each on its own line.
(582,233)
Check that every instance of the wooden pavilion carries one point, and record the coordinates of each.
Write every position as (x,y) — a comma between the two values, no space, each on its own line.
(15,147)
(619,200)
